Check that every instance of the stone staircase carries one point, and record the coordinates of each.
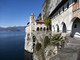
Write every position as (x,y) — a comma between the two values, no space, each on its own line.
(73,43)
(71,50)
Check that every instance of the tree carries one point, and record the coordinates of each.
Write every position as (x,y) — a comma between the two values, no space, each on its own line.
(47,22)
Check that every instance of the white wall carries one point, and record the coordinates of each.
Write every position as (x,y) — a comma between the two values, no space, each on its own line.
(64,16)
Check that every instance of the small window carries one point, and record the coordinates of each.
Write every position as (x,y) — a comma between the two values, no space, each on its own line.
(63,8)
(75,25)
(59,11)
(68,5)
(75,1)
(33,17)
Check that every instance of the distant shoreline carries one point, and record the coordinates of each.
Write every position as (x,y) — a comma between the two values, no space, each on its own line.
(12,31)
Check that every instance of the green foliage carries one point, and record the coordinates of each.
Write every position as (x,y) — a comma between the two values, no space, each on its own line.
(38,46)
(57,39)
(46,41)
(47,21)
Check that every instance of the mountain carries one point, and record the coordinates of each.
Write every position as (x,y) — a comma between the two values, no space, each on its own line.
(13,28)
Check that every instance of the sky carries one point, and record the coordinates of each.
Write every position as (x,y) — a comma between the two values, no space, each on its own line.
(17,12)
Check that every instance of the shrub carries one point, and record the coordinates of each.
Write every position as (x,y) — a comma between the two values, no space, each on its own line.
(57,39)
(46,41)
(38,46)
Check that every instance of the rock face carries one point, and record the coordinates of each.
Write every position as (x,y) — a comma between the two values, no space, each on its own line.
(44,53)
(28,44)
(70,51)
(49,52)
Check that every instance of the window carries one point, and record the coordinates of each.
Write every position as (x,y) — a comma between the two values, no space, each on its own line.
(33,17)
(63,8)
(37,29)
(75,25)
(59,11)
(75,1)
(68,5)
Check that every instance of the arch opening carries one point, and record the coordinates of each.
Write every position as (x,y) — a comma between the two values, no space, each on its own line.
(37,29)
(64,29)
(53,28)
(41,29)
(44,28)
(57,28)
(75,28)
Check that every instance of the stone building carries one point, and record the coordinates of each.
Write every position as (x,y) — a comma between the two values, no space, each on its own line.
(65,16)
(33,26)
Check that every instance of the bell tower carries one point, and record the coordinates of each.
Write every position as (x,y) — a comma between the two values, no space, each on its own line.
(32,22)
(32,19)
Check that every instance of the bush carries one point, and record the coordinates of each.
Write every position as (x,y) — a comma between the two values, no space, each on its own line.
(38,46)
(46,41)
(57,39)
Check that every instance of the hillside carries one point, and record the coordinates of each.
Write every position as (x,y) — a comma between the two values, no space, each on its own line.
(13,28)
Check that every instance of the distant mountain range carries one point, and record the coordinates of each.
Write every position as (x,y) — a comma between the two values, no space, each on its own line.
(13,28)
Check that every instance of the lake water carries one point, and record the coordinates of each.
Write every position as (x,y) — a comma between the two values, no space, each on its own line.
(12,46)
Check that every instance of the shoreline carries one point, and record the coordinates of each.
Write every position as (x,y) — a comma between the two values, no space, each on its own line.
(28,55)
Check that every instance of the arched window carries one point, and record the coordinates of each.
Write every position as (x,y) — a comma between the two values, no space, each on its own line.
(67,5)
(41,29)
(59,11)
(63,8)
(34,38)
(75,1)
(64,28)
(47,29)
(44,28)
(57,28)
(76,28)
(37,29)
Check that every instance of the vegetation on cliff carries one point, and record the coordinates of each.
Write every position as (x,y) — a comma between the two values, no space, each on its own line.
(46,41)
(38,46)
(47,22)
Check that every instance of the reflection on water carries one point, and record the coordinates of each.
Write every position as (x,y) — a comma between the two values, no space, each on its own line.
(28,56)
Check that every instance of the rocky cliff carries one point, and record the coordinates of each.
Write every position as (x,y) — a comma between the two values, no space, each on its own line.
(70,51)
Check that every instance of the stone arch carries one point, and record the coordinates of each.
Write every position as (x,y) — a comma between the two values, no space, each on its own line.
(64,29)
(75,31)
(41,29)
(37,29)
(53,28)
(47,29)
(34,38)
(57,27)
(44,29)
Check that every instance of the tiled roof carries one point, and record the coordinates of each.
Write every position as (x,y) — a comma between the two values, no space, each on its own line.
(40,21)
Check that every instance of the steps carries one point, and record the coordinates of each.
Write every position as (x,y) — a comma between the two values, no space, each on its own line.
(70,51)
(72,43)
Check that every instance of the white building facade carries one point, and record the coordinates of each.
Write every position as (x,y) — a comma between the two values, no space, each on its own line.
(33,26)
(65,16)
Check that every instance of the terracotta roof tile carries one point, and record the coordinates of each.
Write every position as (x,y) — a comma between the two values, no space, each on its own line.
(40,21)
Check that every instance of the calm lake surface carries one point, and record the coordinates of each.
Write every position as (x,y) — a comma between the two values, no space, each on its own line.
(12,46)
